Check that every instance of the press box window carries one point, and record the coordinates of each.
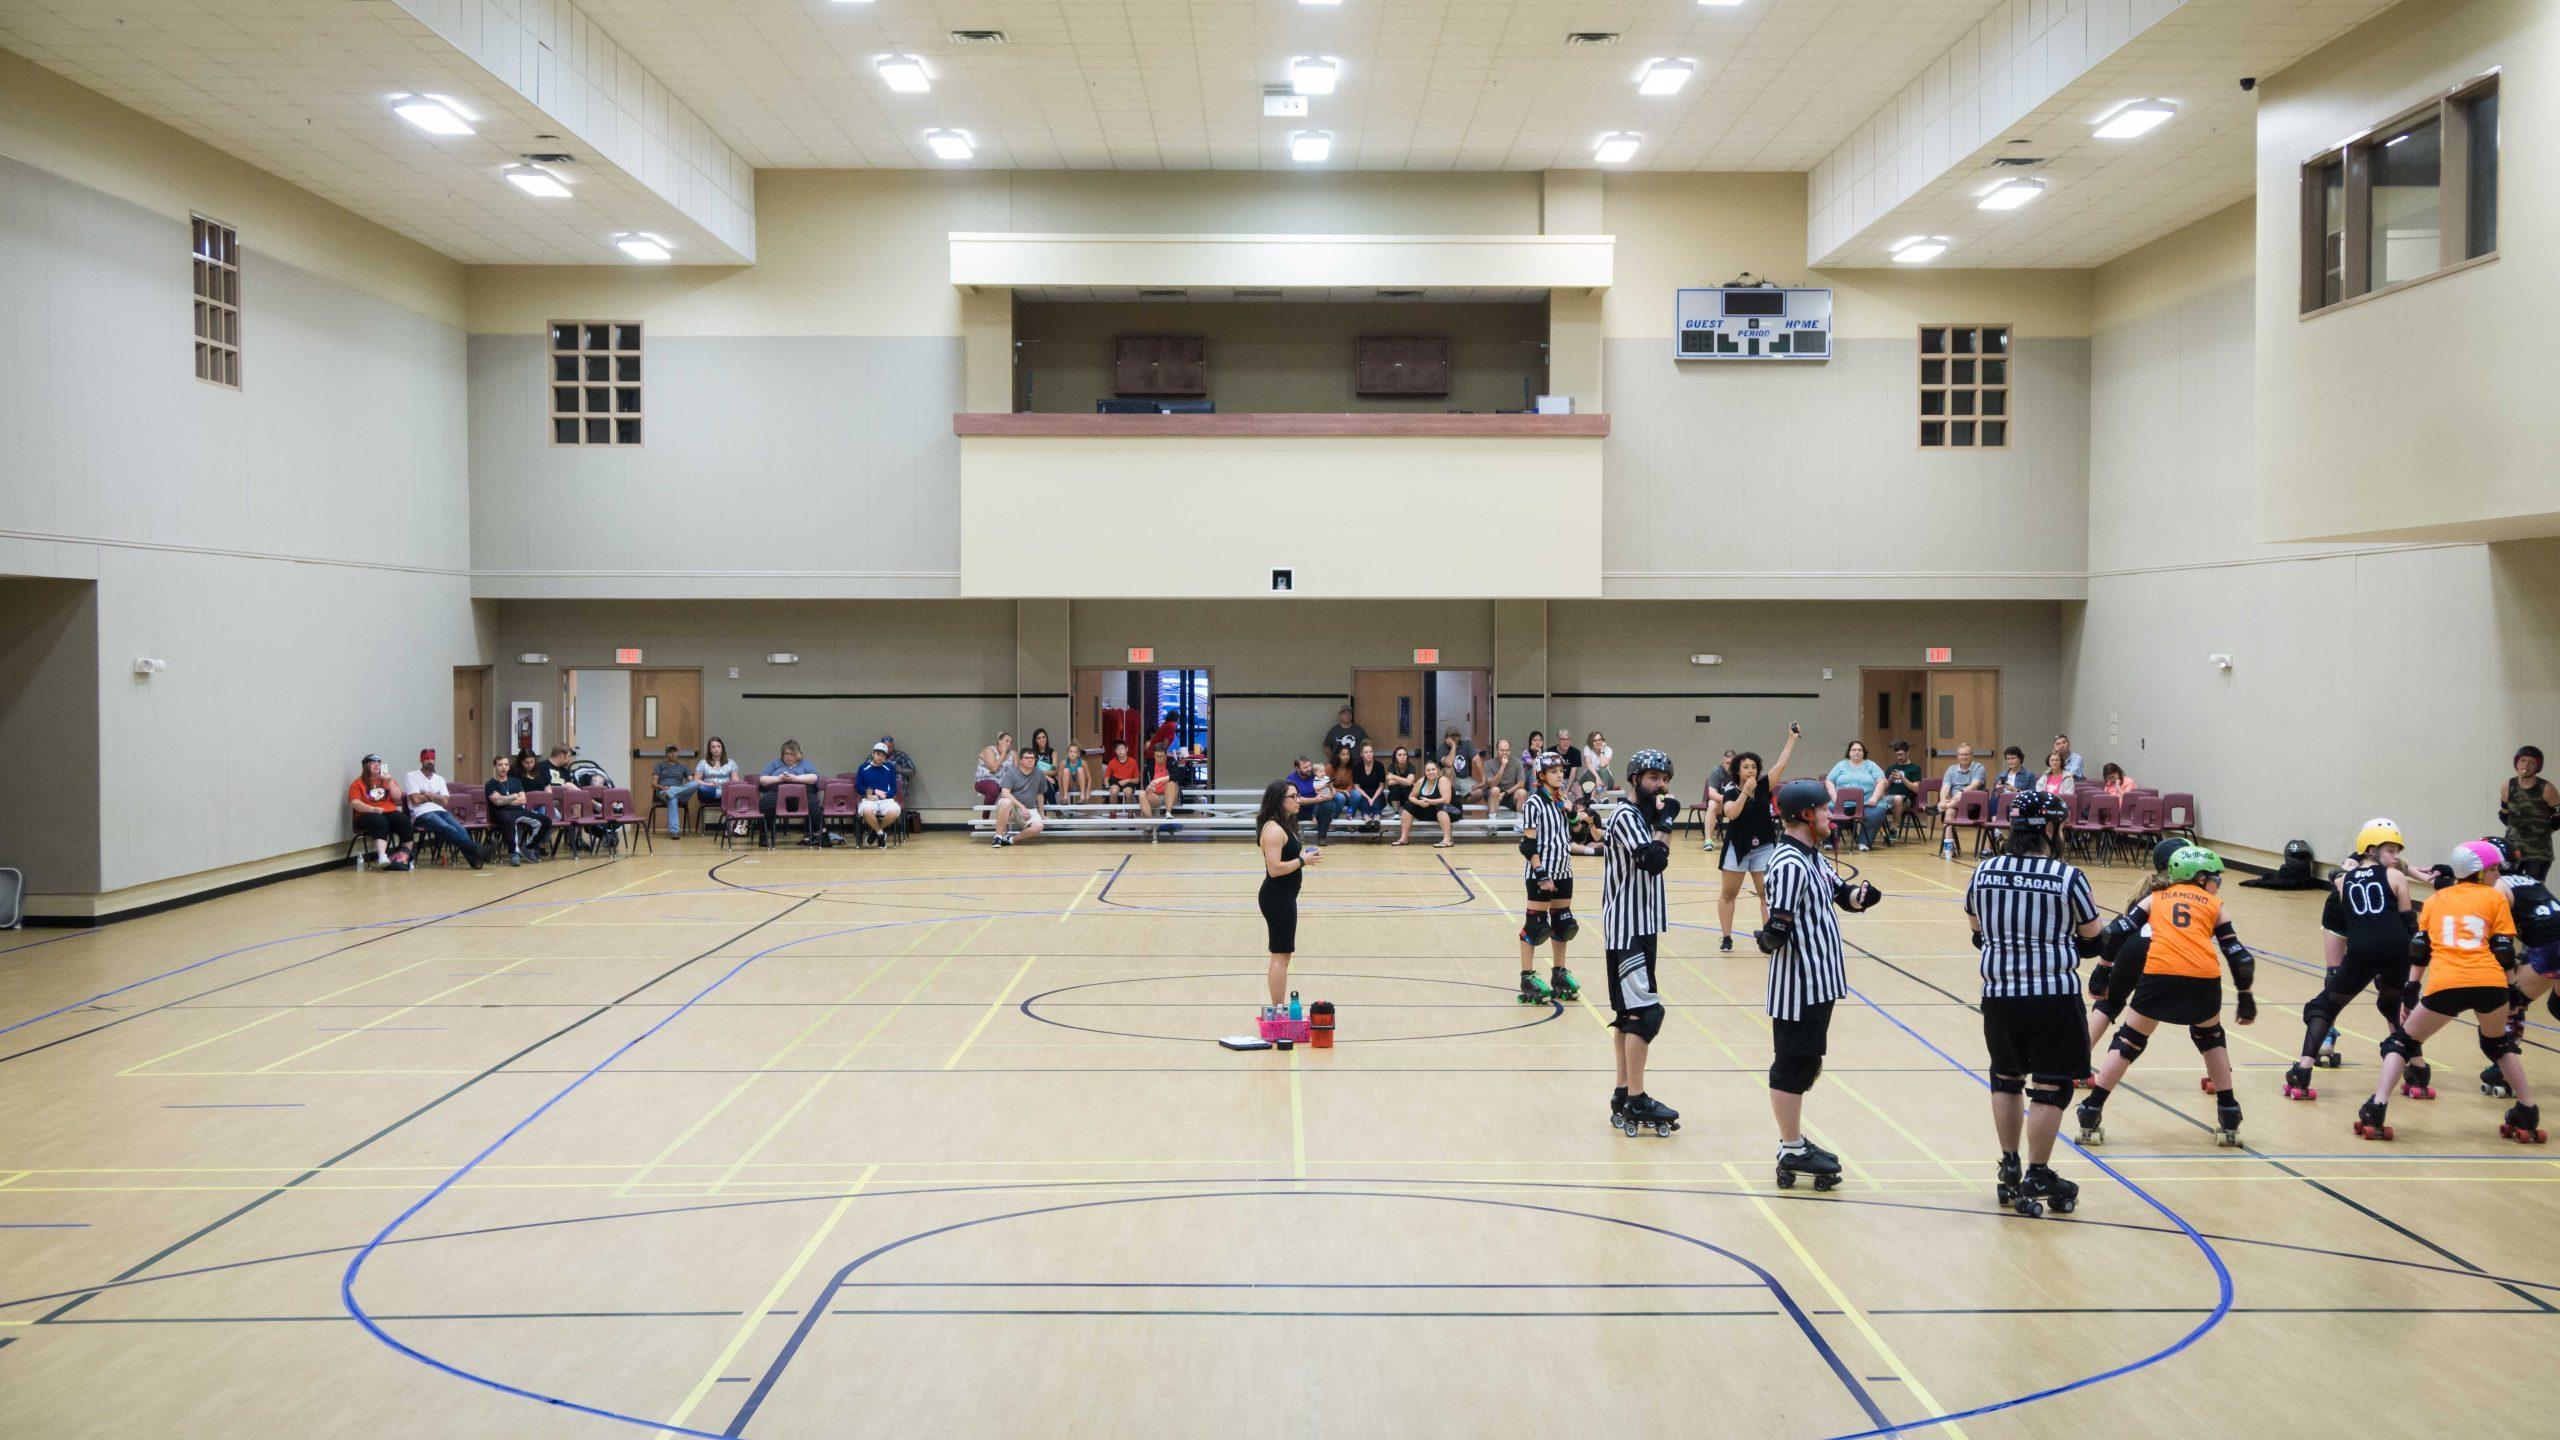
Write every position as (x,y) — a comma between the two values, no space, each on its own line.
(1964,387)
(2409,200)
(217,290)
(595,382)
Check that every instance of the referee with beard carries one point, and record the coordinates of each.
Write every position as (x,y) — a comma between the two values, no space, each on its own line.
(2034,918)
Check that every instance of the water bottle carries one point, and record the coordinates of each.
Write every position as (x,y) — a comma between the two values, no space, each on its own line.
(1295,1013)
(1947,846)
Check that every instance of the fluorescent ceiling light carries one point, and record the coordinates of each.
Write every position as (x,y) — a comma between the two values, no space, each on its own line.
(1314,74)
(641,245)
(903,73)
(1311,147)
(1919,249)
(432,113)
(1616,146)
(1665,77)
(2010,194)
(1721,4)
(1319,2)
(2139,117)
(537,182)
(950,144)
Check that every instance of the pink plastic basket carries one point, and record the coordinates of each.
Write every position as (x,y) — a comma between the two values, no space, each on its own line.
(1297,1032)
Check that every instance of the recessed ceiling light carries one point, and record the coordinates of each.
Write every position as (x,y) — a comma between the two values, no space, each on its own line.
(2139,117)
(641,245)
(1319,2)
(903,73)
(432,113)
(1664,77)
(1314,74)
(2010,194)
(1918,249)
(950,144)
(536,182)
(1311,147)
(1721,4)
(1616,146)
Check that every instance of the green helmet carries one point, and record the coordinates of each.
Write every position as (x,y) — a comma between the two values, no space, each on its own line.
(2192,861)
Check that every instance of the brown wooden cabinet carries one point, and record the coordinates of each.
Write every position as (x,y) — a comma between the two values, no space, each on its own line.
(1401,365)
(1160,365)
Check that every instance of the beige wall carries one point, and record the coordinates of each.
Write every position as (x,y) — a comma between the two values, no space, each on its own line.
(49,728)
(2426,412)
(1275,356)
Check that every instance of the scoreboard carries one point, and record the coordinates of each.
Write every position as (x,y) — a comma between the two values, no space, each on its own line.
(1751,322)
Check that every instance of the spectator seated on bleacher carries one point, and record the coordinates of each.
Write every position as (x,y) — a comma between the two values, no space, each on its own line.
(1315,795)
(1024,790)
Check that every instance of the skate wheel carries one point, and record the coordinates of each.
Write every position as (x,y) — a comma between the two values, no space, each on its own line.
(2084,1083)
(1825,1182)
(2373,1132)
(2418,1092)
(2065,1207)
(2093,1137)
(2226,1138)
(2205,1084)
(2033,1210)
(1786,1179)
(2330,1062)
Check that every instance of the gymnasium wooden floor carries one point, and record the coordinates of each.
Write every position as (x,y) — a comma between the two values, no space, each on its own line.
(937,1142)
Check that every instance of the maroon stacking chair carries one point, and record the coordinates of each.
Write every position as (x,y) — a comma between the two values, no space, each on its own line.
(835,802)
(1848,807)
(1973,812)
(616,817)
(2093,823)
(2138,822)
(2178,815)
(790,802)
(739,805)
(1923,815)
(551,805)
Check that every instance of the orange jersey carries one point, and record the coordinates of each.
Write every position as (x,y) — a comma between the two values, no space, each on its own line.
(2459,922)
(2183,918)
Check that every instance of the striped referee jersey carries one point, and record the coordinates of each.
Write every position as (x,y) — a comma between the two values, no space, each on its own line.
(2030,906)
(1554,858)
(1632,908)
(1810,970)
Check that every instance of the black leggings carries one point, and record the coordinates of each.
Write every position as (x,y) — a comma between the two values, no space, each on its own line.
(2123,976)
(386,825)
(2385,972)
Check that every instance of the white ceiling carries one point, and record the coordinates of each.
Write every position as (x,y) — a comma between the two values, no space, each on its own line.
(1290,294)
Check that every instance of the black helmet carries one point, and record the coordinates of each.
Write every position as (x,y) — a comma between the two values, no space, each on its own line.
(2032,810)
(2161,852)
(1798,796)
(1649,759)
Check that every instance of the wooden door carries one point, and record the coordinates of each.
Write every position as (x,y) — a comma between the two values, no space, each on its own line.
(1084,722)
(666,709)
(1964,708)
(1388,704)
(1895,703)
(469,762)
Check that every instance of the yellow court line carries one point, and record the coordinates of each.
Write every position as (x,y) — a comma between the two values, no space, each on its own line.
(1691,1016)
(270,1066)
(1898,1128)
(755,1318)
(141,1065)
(1489,894)
(9,1180)
(997,1004)
(652,875)
(1855,1316)
(1071,905)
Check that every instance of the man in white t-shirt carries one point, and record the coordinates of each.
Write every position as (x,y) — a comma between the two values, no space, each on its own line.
(426,793)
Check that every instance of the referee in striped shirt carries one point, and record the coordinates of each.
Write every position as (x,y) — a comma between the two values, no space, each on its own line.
(1806,973)
(1636,850)
(2034,919)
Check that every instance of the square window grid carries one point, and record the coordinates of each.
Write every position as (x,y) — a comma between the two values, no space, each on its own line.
(595,382)
(1964,387)
(216,257)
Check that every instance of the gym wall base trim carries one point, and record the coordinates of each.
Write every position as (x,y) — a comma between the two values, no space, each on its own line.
(137,901)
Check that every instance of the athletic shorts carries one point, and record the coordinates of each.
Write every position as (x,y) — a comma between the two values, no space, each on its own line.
(1631,983)
(2036,1035)
(1809,1037)
(1557,896)
(2178,999)
(1754,862)
(2465,999)
(2545,959)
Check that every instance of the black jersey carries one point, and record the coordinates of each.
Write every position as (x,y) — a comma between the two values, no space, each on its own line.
(2363,911)
(2537,912)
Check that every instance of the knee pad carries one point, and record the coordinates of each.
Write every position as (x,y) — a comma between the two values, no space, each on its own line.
(2051,1090)
(2320,1012)
(2398,1043)
(1643,1023)
(2208,1038)
(1794,1074)
(1534,930)
(1566,927)
(2130,1043)
(2107,1005)
(2496,1047)
(2008,1084)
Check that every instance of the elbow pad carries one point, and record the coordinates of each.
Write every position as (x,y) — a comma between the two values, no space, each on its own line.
(2418,952)
(1528,847)
(2119,930)
(1857,897)
(2244,966)
(2504,948)
(1773,937)
(1653,858)
(2088,946)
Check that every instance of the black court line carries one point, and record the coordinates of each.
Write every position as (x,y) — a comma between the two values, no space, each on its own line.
(324,1166)
(1977,1310)
(343,1318)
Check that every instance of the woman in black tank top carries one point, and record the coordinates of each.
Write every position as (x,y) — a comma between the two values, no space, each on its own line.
(2529,807)
(1750,829)
(1284,864)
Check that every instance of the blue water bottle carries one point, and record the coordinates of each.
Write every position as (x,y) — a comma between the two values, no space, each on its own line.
(1295,1013)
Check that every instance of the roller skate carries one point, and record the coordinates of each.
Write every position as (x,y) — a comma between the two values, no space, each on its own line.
(1643,1112)
(2369,1124)
(2523,1125)
(2047,1191)
(1808,1159)
(2494,1085)
(2329,1058)
(1561,981)
(1725,945)
(2226,1115)
(2417,1081)
(1533,991)
(2297,1083)
(1617,1107)
(2093,1115)
(2005,1189)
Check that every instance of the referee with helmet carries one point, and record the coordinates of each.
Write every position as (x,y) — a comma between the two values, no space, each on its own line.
(2034,919)
(1636,850)
(1807,973)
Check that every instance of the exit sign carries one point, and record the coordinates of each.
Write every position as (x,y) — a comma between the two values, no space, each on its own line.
(1940,654)
(1426,657)
(626,657)
(1142,655)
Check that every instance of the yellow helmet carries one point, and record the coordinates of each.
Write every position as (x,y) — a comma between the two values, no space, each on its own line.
(2378,832)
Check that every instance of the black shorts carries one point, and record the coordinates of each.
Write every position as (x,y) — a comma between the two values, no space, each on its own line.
(2179,999)
(2044,1035)
(1424,812)
(1809,1037)
(1562,893)
(1631,982)
(1279,917)
(2465,999)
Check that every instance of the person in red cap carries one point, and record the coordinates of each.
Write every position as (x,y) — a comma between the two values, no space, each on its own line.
(427,796)
(375,800)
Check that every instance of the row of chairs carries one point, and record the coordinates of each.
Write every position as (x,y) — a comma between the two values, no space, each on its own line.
(580,819)
(2097,824)
(741,808)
